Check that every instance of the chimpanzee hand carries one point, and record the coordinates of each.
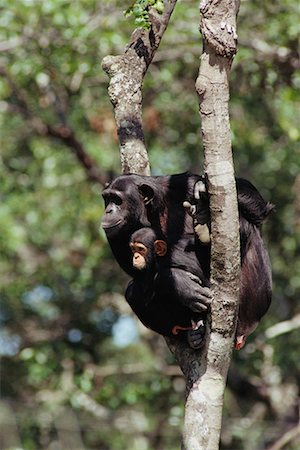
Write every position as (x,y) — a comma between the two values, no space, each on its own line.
(199,211)
(201,295)
(185,287)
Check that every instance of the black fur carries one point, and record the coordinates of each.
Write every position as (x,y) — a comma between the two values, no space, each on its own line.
(164,297)
(134,201)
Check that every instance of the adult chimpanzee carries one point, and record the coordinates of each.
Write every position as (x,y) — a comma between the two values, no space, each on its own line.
(153,293)
(134,201)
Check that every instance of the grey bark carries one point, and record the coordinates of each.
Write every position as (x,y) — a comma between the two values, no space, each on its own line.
(207,379)
(126,74)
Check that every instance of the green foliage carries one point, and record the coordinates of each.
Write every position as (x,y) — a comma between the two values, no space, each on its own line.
(140,11)
(61,290)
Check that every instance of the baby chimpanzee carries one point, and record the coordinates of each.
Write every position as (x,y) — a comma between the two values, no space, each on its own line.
(168,299)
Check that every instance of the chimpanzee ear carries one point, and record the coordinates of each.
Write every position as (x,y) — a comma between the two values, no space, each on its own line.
(160,248)
(146,192)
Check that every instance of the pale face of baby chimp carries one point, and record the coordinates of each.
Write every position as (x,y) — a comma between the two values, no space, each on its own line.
(144,247)
(140,255)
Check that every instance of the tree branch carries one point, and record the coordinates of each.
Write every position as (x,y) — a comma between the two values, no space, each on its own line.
(283,327)
(289,436)
(126,74)
(61,131)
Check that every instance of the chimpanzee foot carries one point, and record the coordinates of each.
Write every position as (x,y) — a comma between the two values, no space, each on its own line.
(199,190)
(239,342)
(198,213)
(195,337)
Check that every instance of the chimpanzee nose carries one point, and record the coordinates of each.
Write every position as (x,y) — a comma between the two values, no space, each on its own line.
(111,208)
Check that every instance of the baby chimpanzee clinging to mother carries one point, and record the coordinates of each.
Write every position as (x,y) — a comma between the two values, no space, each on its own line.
(133,202)
(160,293)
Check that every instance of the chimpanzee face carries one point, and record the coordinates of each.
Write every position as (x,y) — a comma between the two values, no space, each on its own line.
(115,215)
(141,256)
(144,247)
(125,209)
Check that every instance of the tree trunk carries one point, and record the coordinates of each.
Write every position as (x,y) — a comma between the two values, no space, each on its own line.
(205,398)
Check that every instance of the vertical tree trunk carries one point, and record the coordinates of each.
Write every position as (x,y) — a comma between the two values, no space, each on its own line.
(205,398)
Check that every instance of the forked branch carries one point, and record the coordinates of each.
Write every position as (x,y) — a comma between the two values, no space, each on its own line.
(126,74)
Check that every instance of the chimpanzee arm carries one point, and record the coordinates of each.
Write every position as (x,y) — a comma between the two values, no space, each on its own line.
(185,287)
(132,294)
(137,296)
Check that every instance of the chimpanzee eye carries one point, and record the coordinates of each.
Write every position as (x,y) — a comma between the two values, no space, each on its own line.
(141,249)
(110,197)
(138,248)
(116,199)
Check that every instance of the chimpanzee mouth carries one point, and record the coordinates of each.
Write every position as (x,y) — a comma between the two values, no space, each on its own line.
(107,226)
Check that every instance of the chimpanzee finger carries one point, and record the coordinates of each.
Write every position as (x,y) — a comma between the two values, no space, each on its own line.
(197,307)
(203,291)
(191,209)
(194,278)
(203,294)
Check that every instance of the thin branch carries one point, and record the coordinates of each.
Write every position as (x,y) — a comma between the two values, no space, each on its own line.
(288,437)
(68,137)
(283,327)
(265,51)
(61,131)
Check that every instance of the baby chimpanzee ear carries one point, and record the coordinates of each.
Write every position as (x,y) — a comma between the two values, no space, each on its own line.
(147,193)
(160,248)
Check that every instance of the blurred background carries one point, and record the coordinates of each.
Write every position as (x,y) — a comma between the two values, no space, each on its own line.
(78,371)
